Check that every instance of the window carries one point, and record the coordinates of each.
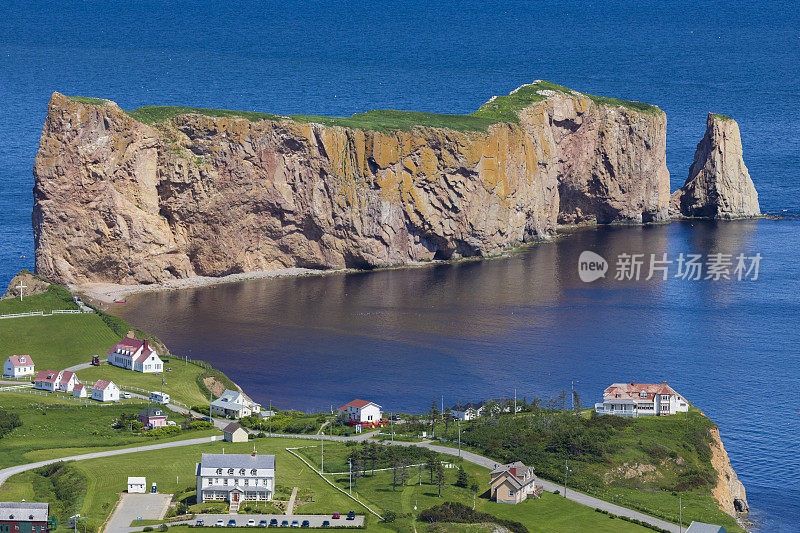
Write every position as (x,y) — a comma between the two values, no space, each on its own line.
(219,470)
(246,483)
(230,471)
(643,394)
(241,472)
(253,472)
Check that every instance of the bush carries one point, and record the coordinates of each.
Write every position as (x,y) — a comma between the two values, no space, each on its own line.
(389,516)
(459,513)
(163,431)
(147,528)
(8,421)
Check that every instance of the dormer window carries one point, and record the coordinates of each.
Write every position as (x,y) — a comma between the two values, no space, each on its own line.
(253,472)
(643,394)
(230,471)
(241,472)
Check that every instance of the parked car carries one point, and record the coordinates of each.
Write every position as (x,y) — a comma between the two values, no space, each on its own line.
(295,523)
(231,523)
(171,423)
(326,523)
(251,522)
(263,523)
(305,524)
(273,522)
(126,395)
(206,419)
(284,523)
(220,522)
(336,516)
(351,515)
(199,523)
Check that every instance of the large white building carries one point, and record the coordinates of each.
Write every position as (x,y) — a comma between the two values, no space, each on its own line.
(55,380)
(362,411)
(234,404)
(135,355)
(235,478)
(18,366)
(637,399)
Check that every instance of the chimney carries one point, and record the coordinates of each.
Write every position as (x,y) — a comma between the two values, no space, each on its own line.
(145,346)
(633,383)
(665,383)
(513,471)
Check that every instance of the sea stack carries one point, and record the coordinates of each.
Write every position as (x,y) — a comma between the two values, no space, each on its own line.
(719,185)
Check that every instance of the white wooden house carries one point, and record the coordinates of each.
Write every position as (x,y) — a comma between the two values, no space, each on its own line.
(137,485)
(362,411)
(234,404)
(637,399)
(235,478)
(105,391)
(55,380)
(81,391)
(17,366)
(135,355)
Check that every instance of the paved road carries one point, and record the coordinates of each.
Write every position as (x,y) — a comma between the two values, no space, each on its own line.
(83,366)
(10,471)
(573,495)
(133,506)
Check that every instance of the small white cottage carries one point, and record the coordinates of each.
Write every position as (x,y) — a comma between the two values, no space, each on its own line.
(17,366)
(80,391)
(105,391)
(137,485)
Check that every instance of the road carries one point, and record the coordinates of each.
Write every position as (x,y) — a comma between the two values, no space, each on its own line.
(10,471)
(83,366)
(134,506)
(549,486)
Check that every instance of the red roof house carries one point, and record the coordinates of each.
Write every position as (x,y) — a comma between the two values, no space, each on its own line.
(18,365)
(135,355)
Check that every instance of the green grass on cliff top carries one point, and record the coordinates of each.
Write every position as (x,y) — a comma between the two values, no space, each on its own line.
(499,109)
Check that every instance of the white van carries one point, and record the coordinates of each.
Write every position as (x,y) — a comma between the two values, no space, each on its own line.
(159,397)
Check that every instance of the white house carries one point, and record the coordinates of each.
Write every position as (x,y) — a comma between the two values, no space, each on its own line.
(137,485)
(362,411)
(637,399)
(467,411)
(80,391)
(52,380)
(135,355)
(105,391)
(234,404)
(233,432)
(235,478)
(18,366)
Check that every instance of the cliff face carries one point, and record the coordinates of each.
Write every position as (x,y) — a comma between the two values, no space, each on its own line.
(729,491)
(719,185)
(117,200)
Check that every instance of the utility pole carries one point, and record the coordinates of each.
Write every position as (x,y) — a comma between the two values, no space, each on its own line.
(459,437)
(391,417)
(680,514)
(442,407)
(515,402)
(322,460)
(572,383)
(270,418)
(566,469)
(350,467)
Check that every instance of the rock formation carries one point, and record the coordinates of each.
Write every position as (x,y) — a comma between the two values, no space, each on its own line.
(32,285)
(117,200)
(729,491)
(718,185)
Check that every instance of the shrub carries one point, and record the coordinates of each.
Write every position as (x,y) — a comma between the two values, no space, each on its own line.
(8,421)
(460,513)
(389,516)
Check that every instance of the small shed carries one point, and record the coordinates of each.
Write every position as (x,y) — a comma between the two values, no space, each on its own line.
(233,432)
(137,485)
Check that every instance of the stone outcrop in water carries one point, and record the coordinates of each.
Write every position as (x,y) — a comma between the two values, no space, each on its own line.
(122,201)
(729,491)
(719,185)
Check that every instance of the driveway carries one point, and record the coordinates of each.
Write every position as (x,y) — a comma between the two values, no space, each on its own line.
(133,506)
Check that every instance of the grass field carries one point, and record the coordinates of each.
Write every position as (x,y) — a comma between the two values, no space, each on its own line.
(53,428)
(500,109)
(55,298)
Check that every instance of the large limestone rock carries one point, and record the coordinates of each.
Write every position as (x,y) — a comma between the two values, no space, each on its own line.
(117,200)
(729,491)
(31,285)
(719,185)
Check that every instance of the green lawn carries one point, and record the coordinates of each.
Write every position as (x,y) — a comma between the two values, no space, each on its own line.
(53,428)
(56,297)
(500,109)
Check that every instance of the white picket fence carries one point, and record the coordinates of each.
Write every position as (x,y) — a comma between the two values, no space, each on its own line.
(16,387)
(46,313)
(68,398)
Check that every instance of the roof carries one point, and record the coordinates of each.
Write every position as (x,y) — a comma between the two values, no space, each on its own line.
(234,400)
(136,480)
(230,428)
(134,345)
(78,387)
(515,472)
(633,390)
(102,384)
(67,375)
(151,411)
(33,511)
(237,460)
(20,360)
(47,376)
(467,406)
(701,527)
(358,404)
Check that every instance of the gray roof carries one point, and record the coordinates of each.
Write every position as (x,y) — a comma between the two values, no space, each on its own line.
(702,527)
(230,428)
(237,460)
(24,511)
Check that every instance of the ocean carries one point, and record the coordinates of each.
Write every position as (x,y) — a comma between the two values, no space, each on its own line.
(471,329)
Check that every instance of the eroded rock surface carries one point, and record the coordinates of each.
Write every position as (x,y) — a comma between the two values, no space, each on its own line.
(120,201)
(719,185)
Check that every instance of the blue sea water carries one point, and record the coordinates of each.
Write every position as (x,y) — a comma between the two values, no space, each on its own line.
(737,58)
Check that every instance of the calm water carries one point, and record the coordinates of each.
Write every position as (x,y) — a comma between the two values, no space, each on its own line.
(463,330)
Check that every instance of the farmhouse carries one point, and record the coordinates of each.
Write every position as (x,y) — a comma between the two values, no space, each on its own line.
(512,483)
(52,380)
(235,478)
(105,391)
(637,399)
(234,404)
(24,516)
(17,366)
(467,411)
(135,355)
(361,412)
(152,417)
(137,485)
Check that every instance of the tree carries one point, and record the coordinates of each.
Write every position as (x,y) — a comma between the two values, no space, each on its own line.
(448,416)
(430,463)
(576,398)
(395,474)
(463,479)
(441,479)
(433,414)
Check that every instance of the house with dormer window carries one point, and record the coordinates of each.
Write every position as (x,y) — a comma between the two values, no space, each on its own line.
(513,483)
(637,399)
(235,478)
(17,366)
(135,355)
(234,404)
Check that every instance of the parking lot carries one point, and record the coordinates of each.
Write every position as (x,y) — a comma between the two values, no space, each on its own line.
(296,520)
